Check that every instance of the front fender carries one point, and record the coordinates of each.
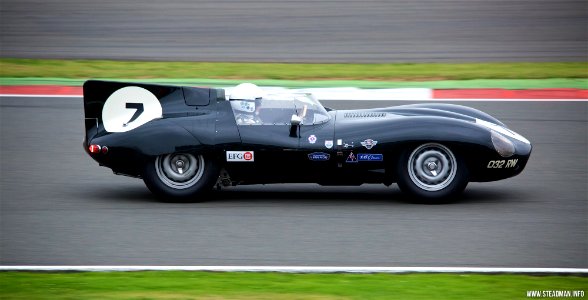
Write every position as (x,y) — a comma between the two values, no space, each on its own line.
(473,143)
(398,134)
(389,132)
(457,109)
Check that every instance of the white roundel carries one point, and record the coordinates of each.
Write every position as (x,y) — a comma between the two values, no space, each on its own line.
(129,108)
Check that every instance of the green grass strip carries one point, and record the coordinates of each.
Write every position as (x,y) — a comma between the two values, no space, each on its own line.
(211,285)
(444,84)
(82,69)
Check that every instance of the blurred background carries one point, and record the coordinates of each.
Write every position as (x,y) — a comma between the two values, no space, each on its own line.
(298,30)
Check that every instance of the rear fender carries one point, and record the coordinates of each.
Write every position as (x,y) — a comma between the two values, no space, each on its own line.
(129,151)
(137,122)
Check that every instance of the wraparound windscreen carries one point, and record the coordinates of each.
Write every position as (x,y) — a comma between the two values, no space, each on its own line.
(277,109)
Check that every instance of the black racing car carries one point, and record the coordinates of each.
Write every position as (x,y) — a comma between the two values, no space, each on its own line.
(183,141)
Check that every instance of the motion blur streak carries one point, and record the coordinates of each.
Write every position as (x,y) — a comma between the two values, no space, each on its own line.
(301,31)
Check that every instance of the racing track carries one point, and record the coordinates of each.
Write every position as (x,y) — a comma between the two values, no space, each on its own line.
(59,208)
(294,31)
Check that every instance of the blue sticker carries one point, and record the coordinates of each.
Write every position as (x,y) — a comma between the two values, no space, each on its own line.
(370,157)
(351,158)
(319,156)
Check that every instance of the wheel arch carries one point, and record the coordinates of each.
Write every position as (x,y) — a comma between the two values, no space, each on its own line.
(164,177)
(437,183)
(130,151)
(468,141)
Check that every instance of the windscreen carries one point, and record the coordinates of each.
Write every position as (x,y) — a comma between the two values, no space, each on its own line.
(277,109)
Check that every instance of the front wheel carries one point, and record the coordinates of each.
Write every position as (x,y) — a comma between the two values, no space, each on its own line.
(432,173)
(180,177)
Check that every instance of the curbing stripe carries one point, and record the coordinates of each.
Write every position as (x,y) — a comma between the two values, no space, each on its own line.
(40,96)
(510,94)
(293,269)
(504,100)
(558,83)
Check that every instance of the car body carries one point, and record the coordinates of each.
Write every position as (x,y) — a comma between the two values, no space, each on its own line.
(184,140)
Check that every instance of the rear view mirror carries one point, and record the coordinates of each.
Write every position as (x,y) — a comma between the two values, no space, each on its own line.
(295,121)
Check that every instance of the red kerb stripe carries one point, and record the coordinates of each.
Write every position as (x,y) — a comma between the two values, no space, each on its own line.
(511,94)
(56,90)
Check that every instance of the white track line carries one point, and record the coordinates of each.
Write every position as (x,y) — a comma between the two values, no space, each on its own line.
(324,99)
(290,269)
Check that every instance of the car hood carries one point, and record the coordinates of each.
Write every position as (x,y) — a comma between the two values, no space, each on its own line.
(416,110)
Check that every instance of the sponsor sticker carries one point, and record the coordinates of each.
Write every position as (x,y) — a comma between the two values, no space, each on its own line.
(319,156)
(370,157)
(247,156)
(349,145)
(351,158)
(369,143)
(329,144)
(339,142)
(312,139)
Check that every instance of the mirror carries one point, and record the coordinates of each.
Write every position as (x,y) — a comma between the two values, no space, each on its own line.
(295,122)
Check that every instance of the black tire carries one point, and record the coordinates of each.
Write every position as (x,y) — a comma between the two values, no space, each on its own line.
(181,177)
(432,173)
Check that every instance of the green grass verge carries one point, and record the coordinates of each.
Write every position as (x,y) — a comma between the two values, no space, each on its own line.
(577,83)
(288,71)
(211,285)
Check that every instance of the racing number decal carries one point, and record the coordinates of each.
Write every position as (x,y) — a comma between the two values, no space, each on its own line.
(138,111)
(129,108)
(500,164)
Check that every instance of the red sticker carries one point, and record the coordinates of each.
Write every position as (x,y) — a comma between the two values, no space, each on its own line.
(247,156)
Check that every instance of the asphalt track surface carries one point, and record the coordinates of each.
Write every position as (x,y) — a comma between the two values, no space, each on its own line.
(297,31)
(58,207)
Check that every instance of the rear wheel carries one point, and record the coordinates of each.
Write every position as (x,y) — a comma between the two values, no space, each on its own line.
(432,173)
(183,177)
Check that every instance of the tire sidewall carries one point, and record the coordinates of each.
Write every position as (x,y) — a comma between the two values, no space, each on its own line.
(448,194)
(194,193)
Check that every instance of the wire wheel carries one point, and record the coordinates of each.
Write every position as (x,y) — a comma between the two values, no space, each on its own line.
(432,167)
(179,170)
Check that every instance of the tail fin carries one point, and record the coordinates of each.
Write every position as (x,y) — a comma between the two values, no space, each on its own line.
(121,106)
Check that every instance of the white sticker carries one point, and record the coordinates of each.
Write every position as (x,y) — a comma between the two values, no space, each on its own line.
(329,144)
(312,139)
(130,107)
(246,156)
